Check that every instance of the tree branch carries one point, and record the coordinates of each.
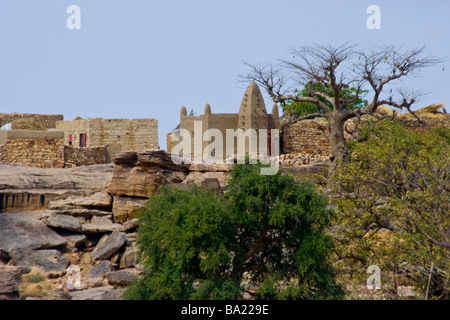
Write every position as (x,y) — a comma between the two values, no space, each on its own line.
(308,116)
(313,100)
(257,247)
(431,239)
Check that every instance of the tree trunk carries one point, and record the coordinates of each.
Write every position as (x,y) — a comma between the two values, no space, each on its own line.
(338,148)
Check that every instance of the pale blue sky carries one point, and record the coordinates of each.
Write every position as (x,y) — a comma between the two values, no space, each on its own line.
(147,58)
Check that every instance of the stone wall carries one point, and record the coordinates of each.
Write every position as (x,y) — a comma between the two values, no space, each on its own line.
(170,141)
(134,134)
(48,121)
(307,141)
(77,157)
(42,149)
(46,149)
(428,123)
(306,137)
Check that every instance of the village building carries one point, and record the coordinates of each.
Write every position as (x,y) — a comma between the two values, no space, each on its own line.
(252,115)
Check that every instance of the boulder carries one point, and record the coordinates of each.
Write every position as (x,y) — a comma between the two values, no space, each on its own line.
(64,222)
(101,225)
(97,200)
(158,158)
(95,277)
(108,245)
(139,174)
(93,178)
(125,157)
(103,293)
(130,257)
(74,239)
(123,277)
(10,277)
(75,212)
(203,167)
(100,200)
(207,179)
(53,295)
(49,261)
(131,225)
(141,181)
(25,188)
(211,184)
(20,231)
(125,208)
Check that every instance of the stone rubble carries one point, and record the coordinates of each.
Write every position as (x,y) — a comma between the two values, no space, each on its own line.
(300,159)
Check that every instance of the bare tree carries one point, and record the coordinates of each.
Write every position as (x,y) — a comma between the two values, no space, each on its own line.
(337,68)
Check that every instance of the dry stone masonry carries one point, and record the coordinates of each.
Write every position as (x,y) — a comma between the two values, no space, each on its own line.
(75,143)
(42,149)
(48,121)
(134,134)
(78,157)
(307,141)
(307,137)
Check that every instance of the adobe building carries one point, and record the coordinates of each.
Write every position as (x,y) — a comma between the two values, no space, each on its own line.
(252,115)
(115,134)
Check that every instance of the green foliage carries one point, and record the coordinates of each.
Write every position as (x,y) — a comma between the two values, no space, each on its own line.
(392,199)
(184,237)
(292,216)
(217,289)
(264,225)
(298,109)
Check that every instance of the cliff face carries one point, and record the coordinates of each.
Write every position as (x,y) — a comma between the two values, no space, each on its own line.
(140,173)
(25,188)
(83,220)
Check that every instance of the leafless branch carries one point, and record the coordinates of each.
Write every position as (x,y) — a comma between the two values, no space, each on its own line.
(327,70)
(270,76)
(382,66)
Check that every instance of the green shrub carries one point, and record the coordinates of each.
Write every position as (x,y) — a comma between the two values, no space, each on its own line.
(264,225)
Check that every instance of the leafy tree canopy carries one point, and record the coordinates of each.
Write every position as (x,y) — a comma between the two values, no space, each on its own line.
(267,230)
(392,201)
(352,98)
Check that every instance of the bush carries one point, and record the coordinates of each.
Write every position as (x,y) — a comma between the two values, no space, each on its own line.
(392,202)
(263,226)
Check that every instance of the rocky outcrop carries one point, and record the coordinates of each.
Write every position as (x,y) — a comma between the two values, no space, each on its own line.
(25,188)
(9,281)
(87,219)
(138,174)
(96,277)
(50,261)
(122,277)
(21,231)
(77,232)
(108,245)
(125,208)
(102,293)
